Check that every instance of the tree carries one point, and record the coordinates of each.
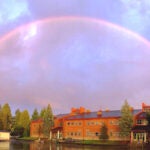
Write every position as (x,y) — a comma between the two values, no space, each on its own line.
(1,123)
(148,118)
(47,121)
(25,122)
(6,117)
(17,117)
(126,120)
(104,134)
(16,130)
(42,112)
(35,114)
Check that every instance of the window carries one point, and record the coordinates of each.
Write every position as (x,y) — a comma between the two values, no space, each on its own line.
(96,134)
(113,122)
(139,121)
(79,123)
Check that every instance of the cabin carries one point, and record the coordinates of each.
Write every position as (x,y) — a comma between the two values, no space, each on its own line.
(4,136)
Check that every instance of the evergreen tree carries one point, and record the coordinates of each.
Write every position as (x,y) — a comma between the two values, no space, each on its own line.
(126,120)
(47,121)
(17,117)
(25,122)
(42,112)
(148,118)
(35,114)
(16,129)
(1,123)
(104,134)
(6,117)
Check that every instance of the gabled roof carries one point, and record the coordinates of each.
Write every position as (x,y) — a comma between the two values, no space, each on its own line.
(141,115)
(104,114)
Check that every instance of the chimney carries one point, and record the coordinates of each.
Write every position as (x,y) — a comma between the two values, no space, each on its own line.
(82,110)
(107,110)
(99,113)
(88,111)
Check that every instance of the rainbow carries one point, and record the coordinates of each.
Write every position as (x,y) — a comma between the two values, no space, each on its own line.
(76,18)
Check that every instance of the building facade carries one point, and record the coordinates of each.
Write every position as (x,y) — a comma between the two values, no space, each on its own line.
(4,136)
(36,128)
(141,129)
(82,124)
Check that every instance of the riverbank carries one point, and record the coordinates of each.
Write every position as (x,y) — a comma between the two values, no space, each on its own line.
(95,142)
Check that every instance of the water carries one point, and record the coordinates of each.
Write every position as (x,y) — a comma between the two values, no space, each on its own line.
(17,145)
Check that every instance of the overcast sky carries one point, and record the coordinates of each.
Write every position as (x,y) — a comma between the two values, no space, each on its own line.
(72,53)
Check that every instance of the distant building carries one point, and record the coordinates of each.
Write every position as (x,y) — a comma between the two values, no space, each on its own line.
(4,136)
(83,124)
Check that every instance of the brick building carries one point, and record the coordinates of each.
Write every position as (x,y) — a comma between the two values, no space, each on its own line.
(86,125)
(141,130)
(36,128)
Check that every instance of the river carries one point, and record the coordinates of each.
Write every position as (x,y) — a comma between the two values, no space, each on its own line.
(17,145)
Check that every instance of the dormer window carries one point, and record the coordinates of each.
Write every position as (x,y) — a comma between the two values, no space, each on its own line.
(139,121)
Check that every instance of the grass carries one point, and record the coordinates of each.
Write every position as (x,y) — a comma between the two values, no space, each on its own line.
(101,142)
(27,138)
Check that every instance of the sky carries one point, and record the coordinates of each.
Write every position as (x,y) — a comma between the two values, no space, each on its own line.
(72,53)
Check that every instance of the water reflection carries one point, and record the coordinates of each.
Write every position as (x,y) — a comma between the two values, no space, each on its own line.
(17,145)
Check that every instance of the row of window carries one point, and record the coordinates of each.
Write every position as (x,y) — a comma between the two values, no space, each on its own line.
(74,123)
(74,133)
(141,122)
(91,123)
(71,134)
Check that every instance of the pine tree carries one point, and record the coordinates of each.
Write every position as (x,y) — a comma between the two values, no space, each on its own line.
(25,122)
(103,133)
(35,114)
(17,117)
(42,112)
(47,121)
(1,123)
(6,117)
(126,120)
(148,118)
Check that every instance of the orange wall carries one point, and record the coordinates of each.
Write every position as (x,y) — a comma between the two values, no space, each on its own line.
(36,128)
(87,129)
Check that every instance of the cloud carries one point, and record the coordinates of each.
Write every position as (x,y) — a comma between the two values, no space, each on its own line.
(136,15)
(72,63)
(10,10)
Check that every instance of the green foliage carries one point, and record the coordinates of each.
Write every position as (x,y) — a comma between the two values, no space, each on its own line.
(126,120)
(148,118)
(6,117)
(1,123)
(24,119)
(47,120)
(18,131)
(35,115)
(42,112)
(104,134)
(17,117)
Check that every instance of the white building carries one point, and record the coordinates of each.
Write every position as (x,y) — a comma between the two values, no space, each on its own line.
(4,136)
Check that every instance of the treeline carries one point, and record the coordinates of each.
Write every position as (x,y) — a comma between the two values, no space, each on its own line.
(19,124)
